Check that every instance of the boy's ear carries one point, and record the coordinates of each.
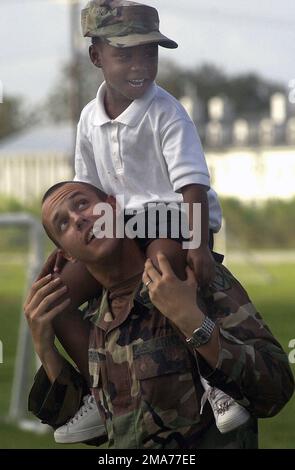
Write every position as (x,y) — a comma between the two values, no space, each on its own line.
(94,56)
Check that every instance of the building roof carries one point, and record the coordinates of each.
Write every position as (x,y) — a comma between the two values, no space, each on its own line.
(43,139)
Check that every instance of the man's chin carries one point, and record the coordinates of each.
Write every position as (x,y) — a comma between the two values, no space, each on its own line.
(100,248)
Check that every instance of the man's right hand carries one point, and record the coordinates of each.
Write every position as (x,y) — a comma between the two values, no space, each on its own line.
(40,312)
(54,264)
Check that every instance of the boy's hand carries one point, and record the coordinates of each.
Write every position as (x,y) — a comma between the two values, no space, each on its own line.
(54,264)
(202,263)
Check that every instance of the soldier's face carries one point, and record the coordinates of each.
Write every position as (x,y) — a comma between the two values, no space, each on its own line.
(69,215)
(128,71)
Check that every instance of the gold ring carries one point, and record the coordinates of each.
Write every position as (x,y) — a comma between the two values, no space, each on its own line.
(148,283)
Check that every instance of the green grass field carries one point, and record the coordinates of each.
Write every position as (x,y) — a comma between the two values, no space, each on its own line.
(271,287)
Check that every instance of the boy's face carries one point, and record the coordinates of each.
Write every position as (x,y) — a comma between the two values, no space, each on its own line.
(128,71)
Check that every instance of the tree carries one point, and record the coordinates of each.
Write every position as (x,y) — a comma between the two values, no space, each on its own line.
(78,84)
(248,92)
(11,116)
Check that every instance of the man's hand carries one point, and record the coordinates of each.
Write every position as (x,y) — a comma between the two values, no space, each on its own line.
(202,263)
(40,313)
(175,299)
(54,264)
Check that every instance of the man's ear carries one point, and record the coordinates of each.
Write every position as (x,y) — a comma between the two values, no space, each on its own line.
(112,201)
(94,55)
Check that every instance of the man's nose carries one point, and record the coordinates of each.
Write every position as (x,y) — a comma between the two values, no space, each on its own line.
(79,220)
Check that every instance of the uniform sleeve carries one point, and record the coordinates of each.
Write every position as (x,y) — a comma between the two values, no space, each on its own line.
(85,167)
(184,155)
(252,366)
(56,403)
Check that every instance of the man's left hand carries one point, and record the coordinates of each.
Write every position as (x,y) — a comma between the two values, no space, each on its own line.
(175,299)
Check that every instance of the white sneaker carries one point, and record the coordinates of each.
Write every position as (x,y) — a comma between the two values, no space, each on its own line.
(228,414)
(85,425)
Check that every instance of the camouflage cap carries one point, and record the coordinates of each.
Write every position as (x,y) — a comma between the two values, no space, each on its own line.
(121,23)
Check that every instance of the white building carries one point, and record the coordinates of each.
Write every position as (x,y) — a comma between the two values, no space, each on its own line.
(35,159)
(253,174)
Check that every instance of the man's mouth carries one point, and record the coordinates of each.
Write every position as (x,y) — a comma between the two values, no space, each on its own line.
(136,83)
(89,236)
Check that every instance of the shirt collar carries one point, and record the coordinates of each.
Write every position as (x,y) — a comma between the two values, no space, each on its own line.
(100,313)
(131,116)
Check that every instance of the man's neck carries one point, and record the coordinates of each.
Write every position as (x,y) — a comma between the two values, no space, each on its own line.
(126,264)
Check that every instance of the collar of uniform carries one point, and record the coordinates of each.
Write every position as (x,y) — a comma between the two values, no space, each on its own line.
(131,116)
(102,315)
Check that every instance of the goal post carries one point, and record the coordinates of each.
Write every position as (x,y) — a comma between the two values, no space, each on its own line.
(25,355)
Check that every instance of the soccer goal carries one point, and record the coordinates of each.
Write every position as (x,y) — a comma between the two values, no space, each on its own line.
(26,362)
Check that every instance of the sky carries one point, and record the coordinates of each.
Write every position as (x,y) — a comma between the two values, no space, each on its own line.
(237,35)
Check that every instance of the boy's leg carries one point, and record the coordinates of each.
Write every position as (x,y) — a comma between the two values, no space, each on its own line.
(71,330)
(172,250)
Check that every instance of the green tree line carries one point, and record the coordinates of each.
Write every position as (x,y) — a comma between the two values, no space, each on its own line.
(265,226)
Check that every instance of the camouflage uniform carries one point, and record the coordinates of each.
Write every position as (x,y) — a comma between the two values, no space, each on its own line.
(146,380)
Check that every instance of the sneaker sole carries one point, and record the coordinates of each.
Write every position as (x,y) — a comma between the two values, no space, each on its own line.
(232,424)
(80,436)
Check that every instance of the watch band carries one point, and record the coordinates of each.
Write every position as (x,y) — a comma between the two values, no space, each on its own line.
(202,334)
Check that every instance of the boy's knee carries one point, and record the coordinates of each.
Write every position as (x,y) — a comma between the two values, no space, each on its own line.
(173,252)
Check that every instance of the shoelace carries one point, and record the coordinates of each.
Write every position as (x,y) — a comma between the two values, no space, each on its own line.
(87,405)
(221,405)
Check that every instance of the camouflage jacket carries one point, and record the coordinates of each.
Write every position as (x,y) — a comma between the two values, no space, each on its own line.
(146,379)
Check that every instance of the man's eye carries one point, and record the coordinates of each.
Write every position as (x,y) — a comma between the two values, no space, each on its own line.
(63,225)
(82,204)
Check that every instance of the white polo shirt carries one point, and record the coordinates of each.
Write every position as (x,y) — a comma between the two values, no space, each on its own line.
(147,154)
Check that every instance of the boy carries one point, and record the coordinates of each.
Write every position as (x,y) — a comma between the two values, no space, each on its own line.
(136,140)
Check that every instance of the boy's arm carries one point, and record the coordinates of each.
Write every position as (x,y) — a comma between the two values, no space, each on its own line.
(85,167)
(199,259)
(188,173)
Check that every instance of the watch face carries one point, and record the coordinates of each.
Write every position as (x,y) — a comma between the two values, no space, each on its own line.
(203,334)
(200,337)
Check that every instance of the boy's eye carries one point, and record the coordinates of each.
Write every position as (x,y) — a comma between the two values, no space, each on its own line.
(124,55)
(151,53)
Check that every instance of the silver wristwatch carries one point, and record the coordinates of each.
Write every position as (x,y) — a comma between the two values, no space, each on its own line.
(203,334)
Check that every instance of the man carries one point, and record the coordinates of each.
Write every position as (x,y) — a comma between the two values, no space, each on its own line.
(144,363)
